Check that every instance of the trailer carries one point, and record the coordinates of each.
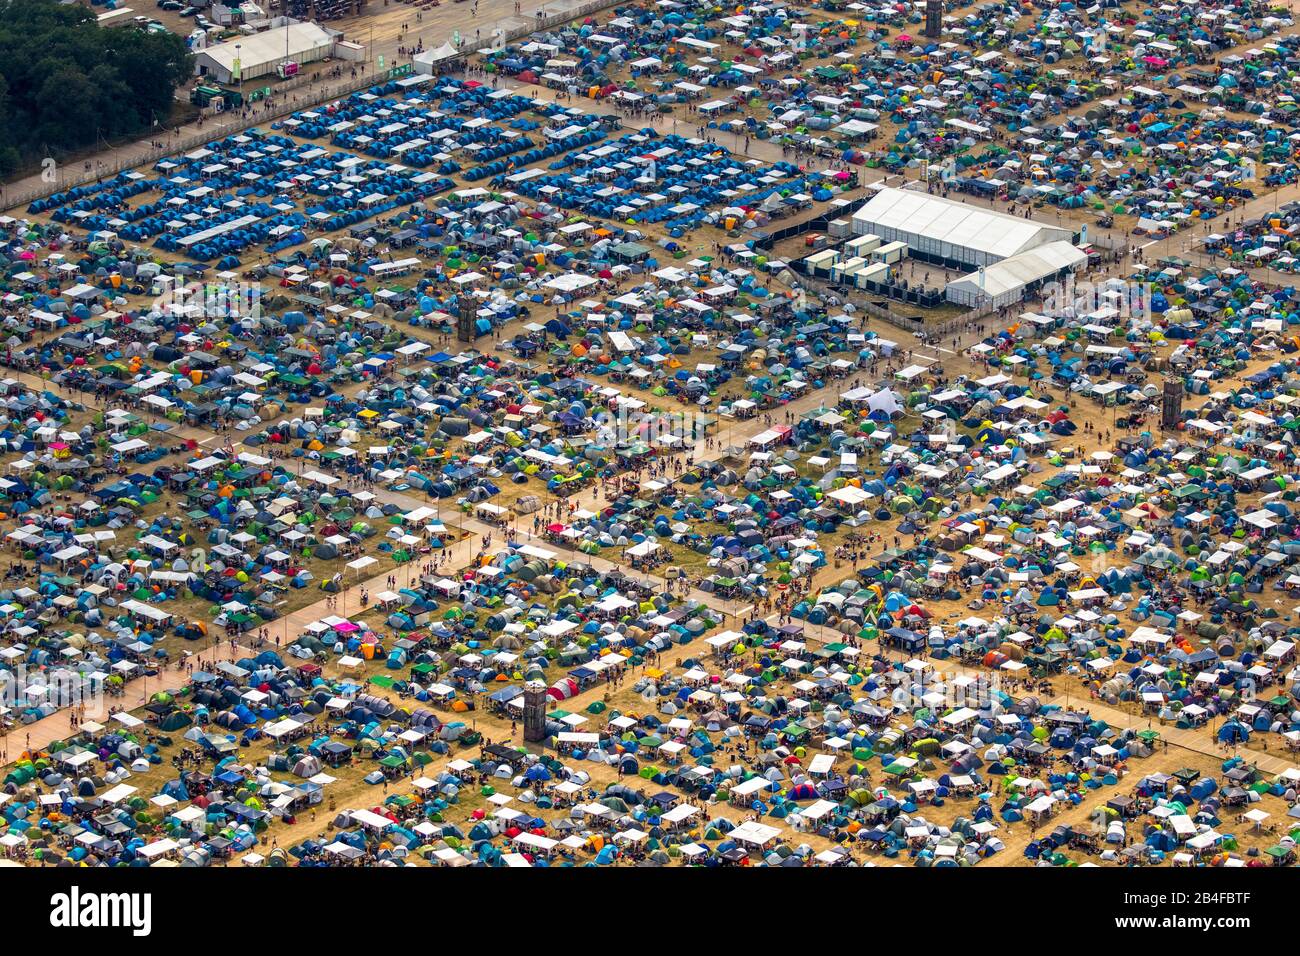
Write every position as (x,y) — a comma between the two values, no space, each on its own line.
(822,263)
(842,269)
(862,245)
(872,272)
(890,252)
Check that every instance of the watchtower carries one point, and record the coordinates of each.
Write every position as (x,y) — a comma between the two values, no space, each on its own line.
(1171,411)
(933,17)
(465,317)
(534,711)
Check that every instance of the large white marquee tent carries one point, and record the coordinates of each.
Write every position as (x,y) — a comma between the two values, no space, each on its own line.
(953,230)
(1003,283)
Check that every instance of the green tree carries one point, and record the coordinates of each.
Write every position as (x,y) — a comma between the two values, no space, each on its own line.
(65,80)
(8,153)
(74,122)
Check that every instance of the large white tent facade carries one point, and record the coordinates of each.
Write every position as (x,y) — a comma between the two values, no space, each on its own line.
(1005,282)
(258,55)
(943,229)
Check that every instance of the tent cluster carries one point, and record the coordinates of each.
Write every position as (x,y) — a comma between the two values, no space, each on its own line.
(847,759)
(1148,133)
(616,300)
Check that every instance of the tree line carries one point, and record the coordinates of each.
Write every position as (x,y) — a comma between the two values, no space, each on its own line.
(66,82)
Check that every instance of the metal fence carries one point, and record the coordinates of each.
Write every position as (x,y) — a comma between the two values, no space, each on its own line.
(315,97)
(1105,241)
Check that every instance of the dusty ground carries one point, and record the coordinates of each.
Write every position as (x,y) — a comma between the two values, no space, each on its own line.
(349,791)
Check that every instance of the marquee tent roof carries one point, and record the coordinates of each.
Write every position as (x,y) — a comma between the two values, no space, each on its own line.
(938,226)
(291,42)
(1010,276)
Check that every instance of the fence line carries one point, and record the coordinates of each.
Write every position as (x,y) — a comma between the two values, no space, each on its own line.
(188,142)
(325,94)
(1107,242)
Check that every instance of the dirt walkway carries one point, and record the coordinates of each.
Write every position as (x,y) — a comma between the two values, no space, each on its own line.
(462,554)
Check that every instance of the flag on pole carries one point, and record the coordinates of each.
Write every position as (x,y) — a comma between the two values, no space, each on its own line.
(234,69)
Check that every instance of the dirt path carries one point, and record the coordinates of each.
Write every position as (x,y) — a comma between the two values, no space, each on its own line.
(462,553)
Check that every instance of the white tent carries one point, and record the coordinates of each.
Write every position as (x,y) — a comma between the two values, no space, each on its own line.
(258,55)
(425,62)
(885,400)
(953,230)
(1004,283)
